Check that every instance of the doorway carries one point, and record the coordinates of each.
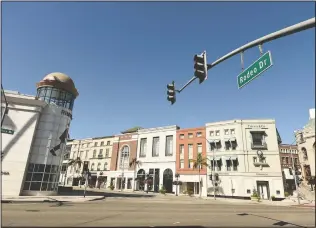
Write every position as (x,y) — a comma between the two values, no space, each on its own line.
(167,180)
(263,189)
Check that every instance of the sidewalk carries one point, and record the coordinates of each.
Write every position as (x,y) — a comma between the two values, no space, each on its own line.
(49,199)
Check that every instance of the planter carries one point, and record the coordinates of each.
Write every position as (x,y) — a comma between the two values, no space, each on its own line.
(254,198)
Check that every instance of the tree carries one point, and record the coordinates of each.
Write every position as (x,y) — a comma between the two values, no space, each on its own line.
(200,162)
(76,163)
(135,163)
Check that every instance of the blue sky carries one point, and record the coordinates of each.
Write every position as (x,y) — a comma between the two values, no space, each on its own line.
(121,56)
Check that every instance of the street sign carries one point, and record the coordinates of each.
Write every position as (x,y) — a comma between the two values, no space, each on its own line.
(255,69)
(7,131)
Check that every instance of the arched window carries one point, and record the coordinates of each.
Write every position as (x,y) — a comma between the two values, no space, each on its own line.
(124,157)
(105,166)
(304,151)
(99,167)
(92,166)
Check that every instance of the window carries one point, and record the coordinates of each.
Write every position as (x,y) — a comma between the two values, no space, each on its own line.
(92,167)
(100,151)
(105,166)
(181,164)
(217,133)
(143,147)
(190,165)
(107,152)
(286,160)
(190,135)
(233,144)
(212,146)
(226,131)
(255,159)
(235,165)
(80,154)
(218,145)
(198,134)
(295,161)
(86,155)
(181,149)
(124,158)
(155,148)
(96,144)
(108,143)
(181,136)
(199,147)
(169,145)
(283,160)
(190,154)
(211,133)
(290,171)
(102,143)
(229,165)
(227,145)
(232,131)
(94,153)
(99,167)
(258,139)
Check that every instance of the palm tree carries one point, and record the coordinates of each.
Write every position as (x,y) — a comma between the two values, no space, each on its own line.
(76,163)
(200,162)
(135,163)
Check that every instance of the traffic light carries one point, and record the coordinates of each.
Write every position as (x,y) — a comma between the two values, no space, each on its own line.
(200,67)
(171,93)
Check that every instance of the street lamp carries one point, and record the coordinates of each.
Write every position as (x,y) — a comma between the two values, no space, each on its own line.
(294,174)
(177,182)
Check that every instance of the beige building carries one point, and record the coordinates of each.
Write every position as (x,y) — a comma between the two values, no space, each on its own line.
(305,139)
(246,155)
(97,152)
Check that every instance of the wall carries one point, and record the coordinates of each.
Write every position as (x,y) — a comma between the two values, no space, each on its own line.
(186,141)
(22,118)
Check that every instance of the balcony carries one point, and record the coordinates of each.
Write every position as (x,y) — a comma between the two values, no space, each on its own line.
(256,146)
(262,164)
(100,156)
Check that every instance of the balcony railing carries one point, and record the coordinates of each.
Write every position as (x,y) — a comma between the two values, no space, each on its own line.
(255,146)
(100,156)
(264,164)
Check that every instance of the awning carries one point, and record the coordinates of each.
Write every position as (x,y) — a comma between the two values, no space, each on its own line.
(233,157)
(226,140)
(211,140)
(216,158)
(216,140)
(232,139)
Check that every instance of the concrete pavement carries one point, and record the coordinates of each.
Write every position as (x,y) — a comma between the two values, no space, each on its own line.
(135,212)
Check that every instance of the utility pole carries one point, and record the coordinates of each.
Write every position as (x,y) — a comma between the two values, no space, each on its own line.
(294,175)
(310,23)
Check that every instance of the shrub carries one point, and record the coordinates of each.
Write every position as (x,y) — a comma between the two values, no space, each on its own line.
(255,193)
(286,194)
(111,187)
(163,190)
(190,192)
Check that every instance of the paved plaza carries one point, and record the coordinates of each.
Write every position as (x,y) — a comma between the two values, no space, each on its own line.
(152,212)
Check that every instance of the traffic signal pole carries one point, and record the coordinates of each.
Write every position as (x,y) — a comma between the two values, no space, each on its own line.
(304,25)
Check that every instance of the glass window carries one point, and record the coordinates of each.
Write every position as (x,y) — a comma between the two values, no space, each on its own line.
(181,136)
(190,154)
(107,152)
(190,135)
(143,147)
(99,167)
(35,186)
(199,147)
(169,145)
(181,150)
(105,166)
(155,149)
(181,164)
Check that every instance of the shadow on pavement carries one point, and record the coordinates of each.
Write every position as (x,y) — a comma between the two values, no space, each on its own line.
(277,223)
(105,194)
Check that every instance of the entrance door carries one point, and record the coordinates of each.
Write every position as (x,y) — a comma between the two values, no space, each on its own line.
(263,189)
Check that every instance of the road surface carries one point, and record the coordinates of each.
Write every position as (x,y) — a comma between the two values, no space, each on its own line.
(151,212)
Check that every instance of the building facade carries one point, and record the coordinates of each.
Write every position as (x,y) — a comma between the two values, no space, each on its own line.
(32,127)
(305,139)
(247,158)
(289,158)
(191,142)
(124,150)
(156,153)
(97,152)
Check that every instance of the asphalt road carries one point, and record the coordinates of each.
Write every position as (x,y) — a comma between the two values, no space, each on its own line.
(150,212)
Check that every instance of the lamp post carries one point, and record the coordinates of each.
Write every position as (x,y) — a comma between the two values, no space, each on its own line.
(294,175)
(177,182)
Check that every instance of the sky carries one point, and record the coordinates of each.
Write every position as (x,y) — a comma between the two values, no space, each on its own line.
(122,55)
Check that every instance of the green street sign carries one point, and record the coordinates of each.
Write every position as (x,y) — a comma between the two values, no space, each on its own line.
(255,69)
(7,131)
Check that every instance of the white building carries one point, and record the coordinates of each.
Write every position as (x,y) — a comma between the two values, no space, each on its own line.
(305,139)
(31,128)
(156,150)
(97,153)
(247,158)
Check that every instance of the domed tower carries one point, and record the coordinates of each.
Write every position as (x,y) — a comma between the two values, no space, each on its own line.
(57,88)
(43,168)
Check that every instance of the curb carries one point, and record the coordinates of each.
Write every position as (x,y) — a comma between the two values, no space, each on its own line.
(50,201)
